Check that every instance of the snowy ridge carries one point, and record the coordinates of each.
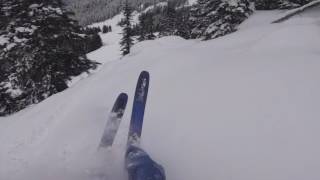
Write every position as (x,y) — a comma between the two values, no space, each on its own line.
(161,4)
(296,11)
(244,106)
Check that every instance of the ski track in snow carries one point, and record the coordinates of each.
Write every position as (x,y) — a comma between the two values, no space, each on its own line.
(244,106)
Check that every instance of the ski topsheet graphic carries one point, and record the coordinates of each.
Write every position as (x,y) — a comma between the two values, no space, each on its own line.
(114,120)
(139,103)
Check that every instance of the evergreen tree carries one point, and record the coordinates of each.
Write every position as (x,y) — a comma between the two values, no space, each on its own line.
(215,18)
(105,29)
(198,20)
(92,42)
(41,49)
(168,20)
(266,4)
(127,33)
(146,26)
(182,23)
(279,4)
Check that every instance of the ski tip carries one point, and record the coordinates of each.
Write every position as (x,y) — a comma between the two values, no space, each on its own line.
(145,74)
(121,102)
(114,119)
(143,79)
(123,96)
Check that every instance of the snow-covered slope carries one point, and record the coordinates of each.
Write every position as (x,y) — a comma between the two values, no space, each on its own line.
(111,48)
(192,1)
(244,107)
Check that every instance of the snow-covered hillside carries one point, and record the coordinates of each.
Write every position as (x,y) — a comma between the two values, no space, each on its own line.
(243,107)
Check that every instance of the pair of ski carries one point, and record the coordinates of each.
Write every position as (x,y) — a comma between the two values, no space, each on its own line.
(136,122)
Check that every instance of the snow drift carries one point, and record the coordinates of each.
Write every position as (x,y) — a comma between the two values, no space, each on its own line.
(244,106)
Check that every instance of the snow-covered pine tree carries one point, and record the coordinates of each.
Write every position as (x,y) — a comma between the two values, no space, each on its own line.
(41,49)
(198,20)
(168,20)
(127,33)
(183,23)
(146,26)
(215,18)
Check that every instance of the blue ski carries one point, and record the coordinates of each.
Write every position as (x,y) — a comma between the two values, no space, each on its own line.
(139,103)
(138,163)
(114,120)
